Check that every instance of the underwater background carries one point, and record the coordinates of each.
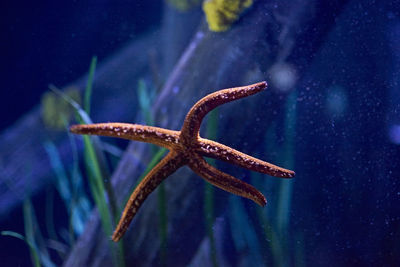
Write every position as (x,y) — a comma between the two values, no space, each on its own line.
(331,113)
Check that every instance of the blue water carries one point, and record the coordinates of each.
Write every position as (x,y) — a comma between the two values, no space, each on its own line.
(333,117)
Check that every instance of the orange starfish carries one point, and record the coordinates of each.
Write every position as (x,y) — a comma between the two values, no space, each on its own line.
(186,147)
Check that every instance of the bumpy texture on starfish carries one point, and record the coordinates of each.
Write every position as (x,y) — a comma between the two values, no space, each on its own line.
(186,147)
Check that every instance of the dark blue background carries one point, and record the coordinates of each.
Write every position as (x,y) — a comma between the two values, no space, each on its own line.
(47,42)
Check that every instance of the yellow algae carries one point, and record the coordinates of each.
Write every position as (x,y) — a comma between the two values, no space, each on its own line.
(56,112)
(220,14)
(183,5)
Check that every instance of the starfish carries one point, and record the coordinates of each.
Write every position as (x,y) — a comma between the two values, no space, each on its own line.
(186,147)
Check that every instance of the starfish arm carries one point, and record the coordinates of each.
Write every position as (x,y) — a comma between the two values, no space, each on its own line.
(216,150)
(158,136)
(191,126)
(162,170)
(225,181)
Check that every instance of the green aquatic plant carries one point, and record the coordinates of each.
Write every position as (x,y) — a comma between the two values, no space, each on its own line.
(275,223)
(96,166)
(93,155)
(220,14)
(96,171)
(243,232)
(286,187)
(89,85)
(69,183)
(146,96)
(32,247)
(70,188)
(33,237)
